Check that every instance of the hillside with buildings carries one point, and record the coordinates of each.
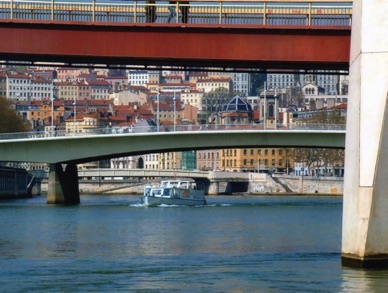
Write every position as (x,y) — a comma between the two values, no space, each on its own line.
(76,101)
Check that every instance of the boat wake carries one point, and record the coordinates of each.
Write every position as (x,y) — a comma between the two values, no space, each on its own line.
(142,205)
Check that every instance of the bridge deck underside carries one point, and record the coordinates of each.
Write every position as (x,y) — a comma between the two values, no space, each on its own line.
(80,150)
(257,47)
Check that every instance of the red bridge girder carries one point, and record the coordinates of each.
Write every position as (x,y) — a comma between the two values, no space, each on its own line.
(251,47)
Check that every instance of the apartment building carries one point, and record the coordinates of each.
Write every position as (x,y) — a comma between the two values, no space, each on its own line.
(192,97)
(18,87)
(211,84)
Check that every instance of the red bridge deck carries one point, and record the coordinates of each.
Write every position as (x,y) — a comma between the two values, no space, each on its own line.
(184,45)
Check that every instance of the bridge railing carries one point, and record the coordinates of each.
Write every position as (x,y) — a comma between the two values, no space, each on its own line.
(170,128)
(226,12)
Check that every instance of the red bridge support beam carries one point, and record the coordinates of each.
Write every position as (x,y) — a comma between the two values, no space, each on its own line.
(264,47)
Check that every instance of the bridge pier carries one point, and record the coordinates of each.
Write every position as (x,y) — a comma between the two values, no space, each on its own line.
(63,184)
(213,188)
(365,209)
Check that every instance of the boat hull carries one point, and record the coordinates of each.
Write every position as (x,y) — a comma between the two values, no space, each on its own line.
(156,201)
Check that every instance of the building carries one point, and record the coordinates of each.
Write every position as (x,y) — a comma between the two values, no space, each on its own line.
(281,81)
(18,87)
(269,108)
(70,90)
(138,77)
(189,161)
(212,84)
(208,159)
(41,89)
(69,73)
(99,89)
(3,85)
(125,98)
(241,83)
(192,97)
(236,111)
(263,160)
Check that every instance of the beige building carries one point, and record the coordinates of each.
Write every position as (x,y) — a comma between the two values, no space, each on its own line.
(208,159)
(70,74)
(211,84)
(245,160)
(126,97)
(82,123)
(189,114)
(192,97)
(170,161)
(70,90)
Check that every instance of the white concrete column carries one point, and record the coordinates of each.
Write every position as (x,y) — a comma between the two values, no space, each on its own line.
(213,188)
(365,211)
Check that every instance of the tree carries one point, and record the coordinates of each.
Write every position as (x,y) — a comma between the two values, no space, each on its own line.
(257,83)
(9,120)
(318,157)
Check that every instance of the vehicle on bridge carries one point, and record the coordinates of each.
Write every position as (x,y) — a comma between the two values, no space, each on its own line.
(174,193)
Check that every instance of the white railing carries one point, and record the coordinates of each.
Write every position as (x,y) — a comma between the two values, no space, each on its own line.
(178,128)
(225,12)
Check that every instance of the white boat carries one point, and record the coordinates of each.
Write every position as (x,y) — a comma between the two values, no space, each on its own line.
(174,192)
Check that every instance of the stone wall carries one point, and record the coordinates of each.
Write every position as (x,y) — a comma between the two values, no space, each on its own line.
(265,184)
(259,183)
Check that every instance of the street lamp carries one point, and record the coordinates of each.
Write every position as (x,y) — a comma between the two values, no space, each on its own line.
(276,108)
(174,112)
(157,112)
(75,112)
(52,110)
(265,105)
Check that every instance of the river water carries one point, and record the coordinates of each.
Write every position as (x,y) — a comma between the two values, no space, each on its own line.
(235,244)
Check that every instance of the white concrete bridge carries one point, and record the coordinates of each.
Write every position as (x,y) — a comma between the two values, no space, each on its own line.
(63,153)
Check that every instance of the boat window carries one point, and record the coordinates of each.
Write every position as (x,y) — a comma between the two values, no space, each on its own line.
(174,184)
(184,184)
(167,192)
(156,192)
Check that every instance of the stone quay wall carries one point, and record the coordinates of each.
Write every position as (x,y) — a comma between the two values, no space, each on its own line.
(260,183)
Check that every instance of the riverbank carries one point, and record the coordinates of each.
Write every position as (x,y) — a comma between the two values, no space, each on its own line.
(288,184)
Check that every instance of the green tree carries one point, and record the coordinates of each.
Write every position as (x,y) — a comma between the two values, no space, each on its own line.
(257,83)
(9,120)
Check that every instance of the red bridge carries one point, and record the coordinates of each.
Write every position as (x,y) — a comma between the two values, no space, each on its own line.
(229,35)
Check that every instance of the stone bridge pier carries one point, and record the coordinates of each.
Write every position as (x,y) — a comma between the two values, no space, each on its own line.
(365,210)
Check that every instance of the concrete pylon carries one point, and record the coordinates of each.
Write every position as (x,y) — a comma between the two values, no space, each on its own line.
(365,209)
(63,184)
